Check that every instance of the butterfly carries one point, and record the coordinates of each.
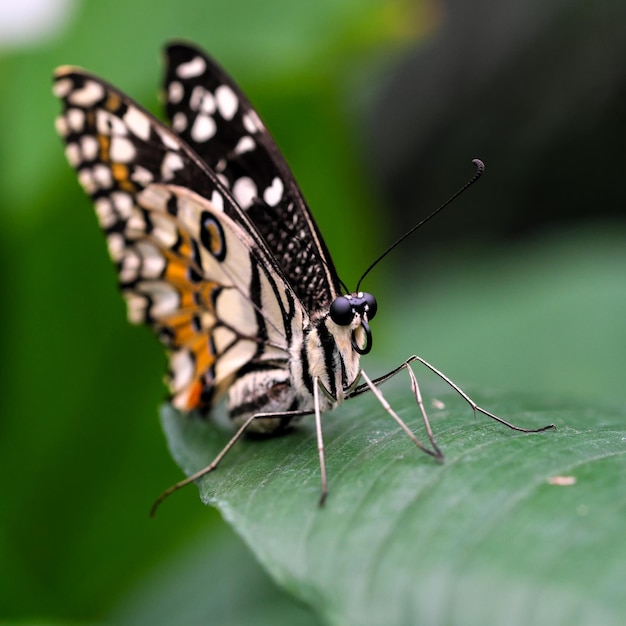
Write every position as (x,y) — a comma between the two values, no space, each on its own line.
(217,251)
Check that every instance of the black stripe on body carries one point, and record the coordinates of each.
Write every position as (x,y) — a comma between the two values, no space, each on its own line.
(327,341)
(257,405)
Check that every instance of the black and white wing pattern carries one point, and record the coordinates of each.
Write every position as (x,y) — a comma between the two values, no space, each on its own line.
(194,264)
(205,283)
(211,113)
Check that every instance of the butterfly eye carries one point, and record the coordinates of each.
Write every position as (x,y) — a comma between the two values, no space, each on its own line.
(372,305)
(341,311)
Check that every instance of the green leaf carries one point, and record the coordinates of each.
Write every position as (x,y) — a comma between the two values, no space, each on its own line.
(484,538)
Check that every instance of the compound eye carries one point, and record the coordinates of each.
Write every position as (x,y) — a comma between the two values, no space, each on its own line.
(372,305)
(341,311)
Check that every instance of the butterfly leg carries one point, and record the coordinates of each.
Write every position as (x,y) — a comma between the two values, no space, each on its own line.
(217,460)
(475,407)
(320,440)
(371,385)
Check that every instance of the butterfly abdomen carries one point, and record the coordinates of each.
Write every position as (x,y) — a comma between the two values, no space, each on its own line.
(263,388)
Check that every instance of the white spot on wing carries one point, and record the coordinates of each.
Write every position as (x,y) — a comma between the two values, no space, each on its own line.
(141,175)
(75,119)
(217,200)
(62,87)
(175,92)
(105,213)
(274,194)
(108,124)
(136,225)
(188,213)
(179,122)
(122,203)
(102,176)
(85,178)
(136,307)
(245,144)
(202,100)
(87,95)
(154,198)
(130,265)
(153,262)
(192,68)
(89,147)
(245,191)
(72,153)
(164,230)
(171,163)
(165,300)
(252,122)
(117,245)
(60,125)
(182,367)
(169,141)
(203,128)
(227,102)
(138,122)
(122,150)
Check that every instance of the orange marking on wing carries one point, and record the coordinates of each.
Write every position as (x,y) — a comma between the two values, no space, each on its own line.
(215,239)
(187,300)
(183,333)
(204,357)
(177,319)
(105,145)
(120,174)
(176,272)
(113,102)
(184,249)
(194,394)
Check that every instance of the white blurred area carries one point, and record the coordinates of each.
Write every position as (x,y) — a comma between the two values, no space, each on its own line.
(25,23)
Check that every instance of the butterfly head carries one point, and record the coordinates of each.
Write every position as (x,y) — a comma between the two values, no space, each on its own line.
(355,310)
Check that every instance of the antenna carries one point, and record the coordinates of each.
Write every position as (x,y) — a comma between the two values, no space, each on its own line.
(480,168)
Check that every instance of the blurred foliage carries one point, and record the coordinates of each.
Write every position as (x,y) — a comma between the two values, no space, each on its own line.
(81,454)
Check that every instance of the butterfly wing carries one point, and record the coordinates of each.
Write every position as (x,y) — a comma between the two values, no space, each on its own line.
(209,111)
(190,263)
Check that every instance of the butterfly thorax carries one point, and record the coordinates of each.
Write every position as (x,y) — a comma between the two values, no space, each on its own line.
(325,353)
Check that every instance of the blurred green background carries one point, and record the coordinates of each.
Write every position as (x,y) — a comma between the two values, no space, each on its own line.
(379,107)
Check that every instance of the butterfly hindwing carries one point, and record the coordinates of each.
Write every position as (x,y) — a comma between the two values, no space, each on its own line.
(215,118)
(191,266)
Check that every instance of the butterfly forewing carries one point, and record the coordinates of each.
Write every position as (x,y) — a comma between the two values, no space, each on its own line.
(190,263)
(215,118)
